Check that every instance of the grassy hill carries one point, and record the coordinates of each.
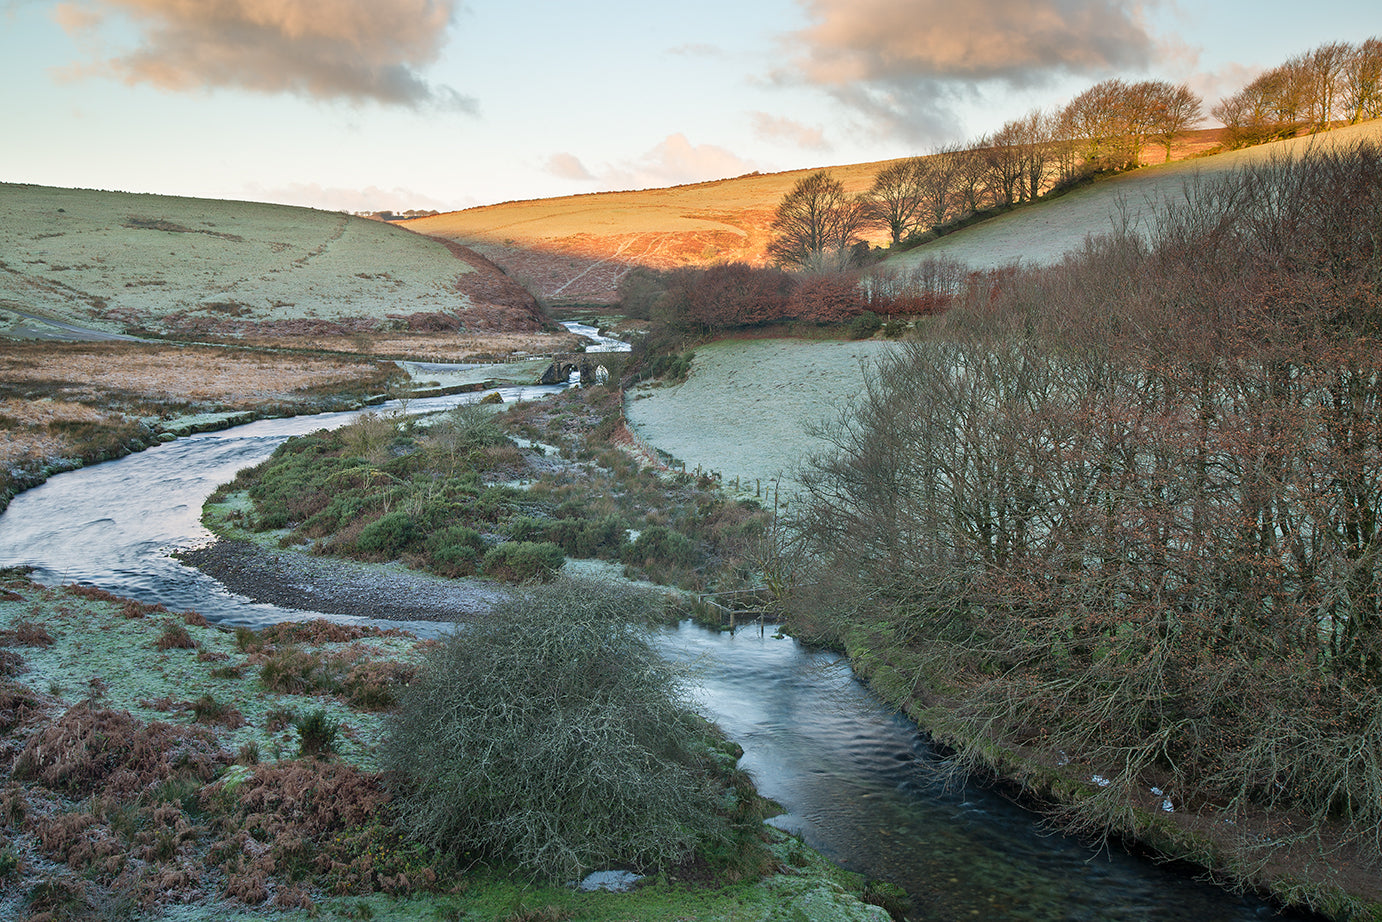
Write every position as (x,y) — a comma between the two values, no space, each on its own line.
(117,262)
(577,247)
(1042,233)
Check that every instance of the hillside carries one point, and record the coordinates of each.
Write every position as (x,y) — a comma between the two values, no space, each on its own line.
(1042,233)
(577,247)
(114,262)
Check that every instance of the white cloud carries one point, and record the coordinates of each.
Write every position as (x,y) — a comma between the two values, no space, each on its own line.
(366,199)
(777,128)
(675,161)
(904,65)
(568,166)
(351,49)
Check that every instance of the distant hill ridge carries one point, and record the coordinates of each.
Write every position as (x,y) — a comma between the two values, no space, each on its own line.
(577,247)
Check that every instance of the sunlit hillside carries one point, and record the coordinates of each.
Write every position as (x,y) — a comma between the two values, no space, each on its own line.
(1043,232)
(118,262)
(578,246)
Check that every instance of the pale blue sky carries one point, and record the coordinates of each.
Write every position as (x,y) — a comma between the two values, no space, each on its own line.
(361,104)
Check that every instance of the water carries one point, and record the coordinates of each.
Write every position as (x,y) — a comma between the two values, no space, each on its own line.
(857,781)
(117,524)
(599,342)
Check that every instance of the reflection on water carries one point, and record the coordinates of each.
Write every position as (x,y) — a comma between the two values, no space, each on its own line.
(857,781)
(864,788)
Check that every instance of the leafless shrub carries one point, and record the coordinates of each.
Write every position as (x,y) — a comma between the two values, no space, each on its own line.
(1129,508)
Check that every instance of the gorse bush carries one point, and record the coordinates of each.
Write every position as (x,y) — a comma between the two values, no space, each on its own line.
(523,560)
(551,734)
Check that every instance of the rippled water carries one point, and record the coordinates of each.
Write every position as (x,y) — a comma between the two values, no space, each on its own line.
(857,781)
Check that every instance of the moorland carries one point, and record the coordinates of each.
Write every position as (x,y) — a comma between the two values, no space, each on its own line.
(958,596)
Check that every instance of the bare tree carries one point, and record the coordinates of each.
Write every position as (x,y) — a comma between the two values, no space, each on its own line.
(1038,155)
(1175,109)
(1098,119)
(816,216)
(1363,82)
(896,197)
(939,184)
(1125,509)
(1326,66)
(1001,156)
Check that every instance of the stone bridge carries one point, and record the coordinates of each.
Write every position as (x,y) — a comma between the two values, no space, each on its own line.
(588,364)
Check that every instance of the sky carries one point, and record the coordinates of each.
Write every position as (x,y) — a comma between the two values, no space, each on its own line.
(362,105)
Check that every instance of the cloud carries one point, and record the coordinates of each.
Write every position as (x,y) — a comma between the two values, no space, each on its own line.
(698,50)
(568,166)
(675,161)
(326,49)
(367,199)
(777,128)
(904,64)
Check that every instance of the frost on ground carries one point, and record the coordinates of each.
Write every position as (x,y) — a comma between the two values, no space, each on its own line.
(111,261)
(747,407)
(1043,233)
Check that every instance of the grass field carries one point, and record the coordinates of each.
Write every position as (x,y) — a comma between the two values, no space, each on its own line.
(746,408)
(1042,233)
(118,262)
(577,247)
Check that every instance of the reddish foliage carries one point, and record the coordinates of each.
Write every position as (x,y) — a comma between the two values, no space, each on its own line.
(89,750)
(130,608)
(321,815)
(827,299)
(18,706)
(320,630)
(11,663)
(82,842)
(429,322)
(28,634)
(175,637)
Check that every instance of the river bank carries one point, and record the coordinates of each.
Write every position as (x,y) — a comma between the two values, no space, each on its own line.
(122,828)
(731,378)
(293,579)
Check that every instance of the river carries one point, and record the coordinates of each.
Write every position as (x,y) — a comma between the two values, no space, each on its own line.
(857,781)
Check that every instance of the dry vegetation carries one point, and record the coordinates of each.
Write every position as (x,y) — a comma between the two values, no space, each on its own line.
(1043,233)
(67,404)
(160,768)
(578,247)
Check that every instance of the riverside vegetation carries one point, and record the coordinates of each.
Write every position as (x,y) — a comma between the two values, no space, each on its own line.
(456,496)
(160,761)
(164,768)
(1112,529)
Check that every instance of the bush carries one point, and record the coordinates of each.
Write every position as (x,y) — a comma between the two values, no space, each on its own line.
(471,426)
(658,544)
(175,637)
(316,734)
(552,735)
(864,326)
(454,551)
(524,560)
(388,536)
